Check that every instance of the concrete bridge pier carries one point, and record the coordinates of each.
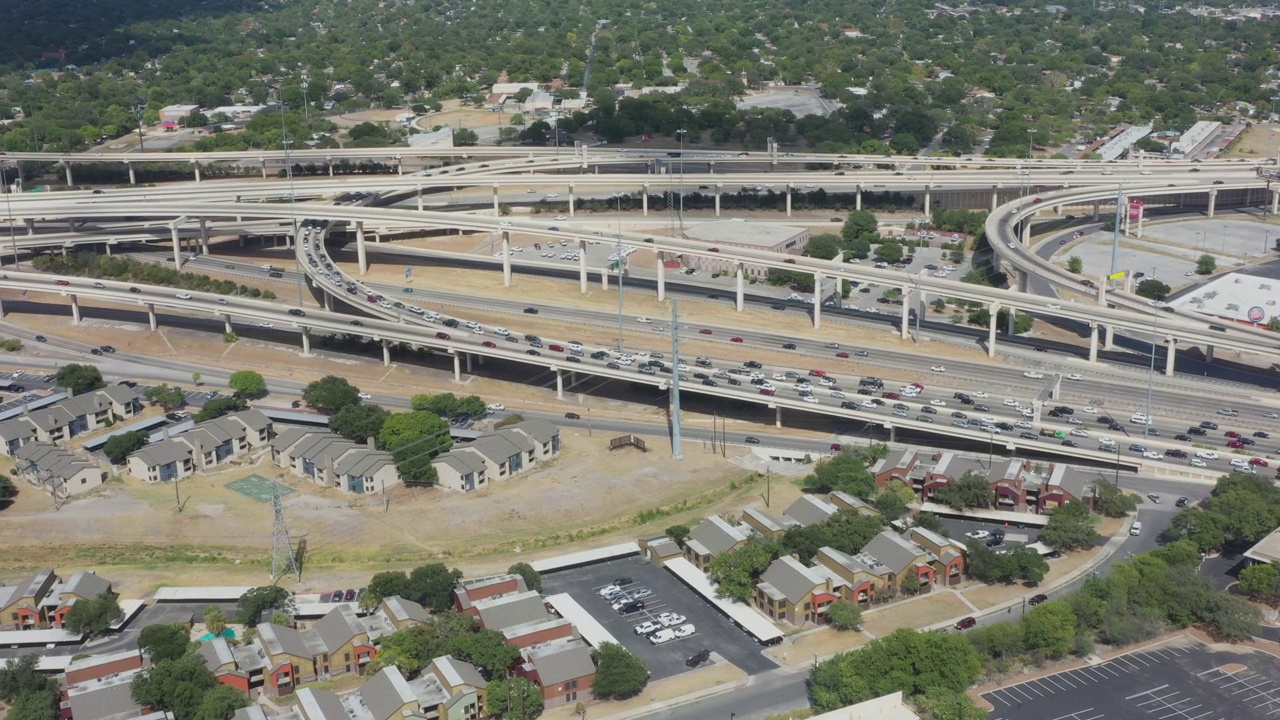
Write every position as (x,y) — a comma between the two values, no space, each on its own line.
(991,329)
(719,189)
(1108,337)
(571,200)
(817,300)
(195,166)
(739,299)
(559,384)
(151,316)
(70,180)
(995,196)
(361,255)
(226,324)
(857,197)
(1171,357)
(604,278)
(75,309)
(506,259)
(264,168)
(1208,353)
(1093,342)
(644,200)
(177,246)
(1011,322)
(328,302)
(386,352)
(457,366)
(306,341)
(133,176)
(789,189)
(496,211)
(777,416)
(1275,202)
(204,236)
(418,196)
(31,225)
(582,266)
(908,299)
(927,198)
(662,279)
(470,358)
(1213,200)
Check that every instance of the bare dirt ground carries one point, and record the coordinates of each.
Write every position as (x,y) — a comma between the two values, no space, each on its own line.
(350,120)
(918,613)
(458,116)
(1258,141)
(821,642)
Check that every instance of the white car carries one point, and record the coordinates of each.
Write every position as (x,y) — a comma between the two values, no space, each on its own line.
(662,636)
(1074,421)
(1010,402)
(553,195)
(811,399)
(988,420)
(991,429)
(938,368)
(670,619)
(1090,409)
(495,407)
(1033,375)
(1022,425)
(776,376)
(1054,306)
(1206,455)
(685,630)
(501,331)
(827,382)
(504,223)
(265,324)
(384,305)
(643,320)
(868,405)
(978,535)
(838,395)
(1075,376)
(365,396)
(979,394)
(647,627)
(608,590)
(1235,462)
(1077,432)
(184,296)
(561,217)
(938,403)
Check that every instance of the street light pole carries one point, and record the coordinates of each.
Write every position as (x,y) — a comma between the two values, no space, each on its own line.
(1151,371)
(681,132)
(619,264)
(306,111)
(8,208)
(139,107)
(1031,133)
(293,208)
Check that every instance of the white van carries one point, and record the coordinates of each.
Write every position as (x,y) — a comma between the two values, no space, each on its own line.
(1136,529)
(1140,419)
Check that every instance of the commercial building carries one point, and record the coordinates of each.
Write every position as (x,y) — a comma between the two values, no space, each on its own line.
(1233,297)
(330,460)
(788,239)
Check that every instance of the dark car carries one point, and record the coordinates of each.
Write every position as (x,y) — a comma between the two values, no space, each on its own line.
(1182,501)
(1182,438)
(1262,434)
(350,595)
(531,311)
(336,596)
(788,346)
(631,607)
(1209,425)
(41,338)
(107,349)
(450,323)
(1038,599)
(1197,431)
(134,290)
(442,336)
(296,312)
(1027,435)
(981,408)
(751,440)
(995,542)
(357,323)
(535,353)
(698,658)
(572,416)
(624,580)
(95,351)
(965,623)
(275,274)
(1176,453)
(1070,443)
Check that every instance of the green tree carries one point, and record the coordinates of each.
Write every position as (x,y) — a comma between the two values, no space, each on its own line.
(907,660)
(1248,517)
(195,378)
(487,649)
(178,685)
(844,615)
(1207,530)
(860,248)
(358,423)
(169,398)
(847,531)
(432,585)
(214,621)
(218,407)
(386,584)
(893,500)
(21,676)
(34,705)
(824,247)
(890,252)
(948,705)
(910,584)
(1113,502)
(1206,265)
(737,571)
(1153,289)
(1070,527)
(619,674)
(330,394)
(1261,581)
(258,601)
(93,617)
(247,383)
(78,379)
(678,534)
(164,641)
(972,490)
(929,521)
(220,703)
(1030,566)
(846,472)
(465,136)
(1075,264)
(859,224)
(532,578)
(413,439)
(119,447)
(513,699)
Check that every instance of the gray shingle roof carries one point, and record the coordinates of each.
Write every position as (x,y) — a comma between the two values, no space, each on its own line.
(841,559)
(896,552)
(541,430)
(253,418)
(281,640)
(163,453)
(791,578)
(386,692)
(17,428)
(498,449)
(810,510)
(716,535)
(321,705)
(462,460)
(363,462)
(337,628)
(119,394)
(86,584)
(286,439)
(561,661)
(50,458)
(453,672)
(401,609)
(504,611)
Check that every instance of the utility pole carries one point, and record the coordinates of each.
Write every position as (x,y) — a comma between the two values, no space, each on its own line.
(282,555)
(1115,231)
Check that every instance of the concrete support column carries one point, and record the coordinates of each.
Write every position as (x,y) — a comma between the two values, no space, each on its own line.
(1093,342)
(1213,197)
(204,236)
(328,301)
(31,225)
(1011,322)
(151,316)
(995,197)
(739,300)
(571,199)
(908,299)
(177,247)
(264,169)
(582,266)
(399,166)
(419,198)
(1097,209)
(604,278)
(893,434)
(777,416)
(226,324)
(817,300)
(788,199)
(133,176)
(644,200)
(329,165)
(70,180)
(75,309)
(719,189)
(1172,357)
(928,196)
(361,257)
(107,249)
(470,358)
(559,384)
(196,167)
(711,168)
(857,198)
(506,259)
(457,366)
(662,279)
(991,330)
(1275,202)
(306,341)
(1026,231)
(1208,353)
(386,352)
(1108,337)
(495,199)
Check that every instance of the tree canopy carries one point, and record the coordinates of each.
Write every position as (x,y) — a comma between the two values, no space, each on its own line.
(619,673)
(330,394)
(79,379)
(164,641)
(247,383)
(119,447)
(93,616)
(431,585)
(906,660)
(259,602)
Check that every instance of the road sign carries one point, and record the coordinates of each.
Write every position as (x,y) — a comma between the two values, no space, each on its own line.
(1118,276)
(1256,314)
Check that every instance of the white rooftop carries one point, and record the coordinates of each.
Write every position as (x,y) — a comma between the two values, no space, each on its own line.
(743,233)
(1233,296)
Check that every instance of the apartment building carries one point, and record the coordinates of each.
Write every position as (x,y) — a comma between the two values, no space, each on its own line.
(56,470)
(69,418)
(497,456)
(203,447)
(711,537)
(330,460)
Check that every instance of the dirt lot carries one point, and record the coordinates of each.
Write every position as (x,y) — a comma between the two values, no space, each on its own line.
(458,116)
(922,612)
(1258,141)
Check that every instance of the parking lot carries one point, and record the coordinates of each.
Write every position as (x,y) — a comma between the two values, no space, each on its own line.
(713,631)
(1179,681)
(958,528)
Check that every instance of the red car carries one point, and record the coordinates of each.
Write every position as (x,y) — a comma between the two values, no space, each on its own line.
(488,343)
(1235,445)
(817,373)
(766,391)
(1259,462)
(736,340)
(61,282)
(789,261)
(704,331)
(842,354)
(1231,434)
(714,249)
(836,447)
(372,298)
(966,623)
(442,336)
(1036,201)
(891,396)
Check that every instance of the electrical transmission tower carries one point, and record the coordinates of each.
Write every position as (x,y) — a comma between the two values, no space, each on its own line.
(283,556)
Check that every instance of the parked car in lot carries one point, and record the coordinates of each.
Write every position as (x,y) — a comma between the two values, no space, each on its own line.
(685,630)
(647,627)
(665,635)
(631,607)
(670,619)
(639,593)
(611,589)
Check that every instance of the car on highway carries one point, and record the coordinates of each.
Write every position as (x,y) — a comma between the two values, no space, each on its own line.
(1196,462)
(1206,455)
(1037,599)
(184,296)
(785,346)
(751,440)
(1182,501)
(978,534)
(937,368)
(1033,375)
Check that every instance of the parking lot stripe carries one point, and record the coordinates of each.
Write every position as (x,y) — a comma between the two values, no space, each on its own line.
(1076,715)
(1055,683)
(995,694)
(1118,664)
(1147,692)
(1033,686)
(1100,673)
(1065,677)
(1138,657)
(1022,692)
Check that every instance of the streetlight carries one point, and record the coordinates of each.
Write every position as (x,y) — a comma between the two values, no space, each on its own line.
(620,264)
(293,213)
(306,111)
(681,132)
(1031,133)
(1151,373)
(8,208)
(139,107)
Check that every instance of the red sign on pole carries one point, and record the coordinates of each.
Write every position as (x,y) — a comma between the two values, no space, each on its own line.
(1135,209)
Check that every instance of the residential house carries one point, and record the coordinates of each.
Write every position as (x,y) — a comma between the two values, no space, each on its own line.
(83,585)
(242,667)
(711,537)
(504,611)
(289,660)
(767,525)
(948,554)
(660,549)
(844,501)
(810,510)
(466,688)
(857,582)
(896,466)
(894,558)
(20,603)
(61,472)
(467,592)
(791,592)
(497,456)
(69,417)
(207,445)
(562,668)
(333,461)
(343,643)
(164,461)
(402,613)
